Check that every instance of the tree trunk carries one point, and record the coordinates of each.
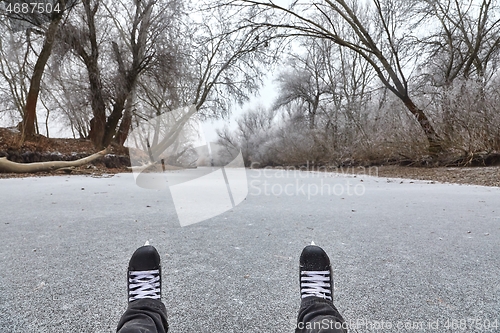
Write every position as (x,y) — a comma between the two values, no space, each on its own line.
(98,122)
(435,144)
(126,91)
(124,129)
(112,123)
(13,167)
(29,117)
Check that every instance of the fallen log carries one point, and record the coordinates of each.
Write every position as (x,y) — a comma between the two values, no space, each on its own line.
(7,166)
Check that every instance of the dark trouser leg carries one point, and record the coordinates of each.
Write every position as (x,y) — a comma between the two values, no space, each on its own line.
(317,315)
(144,316)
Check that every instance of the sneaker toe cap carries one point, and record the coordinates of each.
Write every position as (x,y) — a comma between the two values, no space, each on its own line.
(314,258)
(145,258)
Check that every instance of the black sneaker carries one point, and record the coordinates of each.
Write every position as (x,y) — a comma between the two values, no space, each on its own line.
(144,274)
(315,273)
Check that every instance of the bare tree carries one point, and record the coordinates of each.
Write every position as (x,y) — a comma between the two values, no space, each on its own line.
(221,67)
(130,53)
(374,32)
(131,74)
(460,70)
(29,114)
(253,135)
(467,42)
(64,93)
(227,60)
(139,44)
(15,69)
(332,85)
(306,81)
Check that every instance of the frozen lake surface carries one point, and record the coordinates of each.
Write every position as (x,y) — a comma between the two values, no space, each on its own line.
(402,252)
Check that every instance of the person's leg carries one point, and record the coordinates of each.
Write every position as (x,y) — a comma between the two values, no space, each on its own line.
(145,313)
(317,313)
(144,316)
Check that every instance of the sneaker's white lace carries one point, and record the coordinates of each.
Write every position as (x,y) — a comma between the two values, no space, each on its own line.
(315,283)
(144,284)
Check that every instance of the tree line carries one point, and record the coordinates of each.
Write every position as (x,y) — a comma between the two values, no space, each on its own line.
(103,66)
(374,78)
